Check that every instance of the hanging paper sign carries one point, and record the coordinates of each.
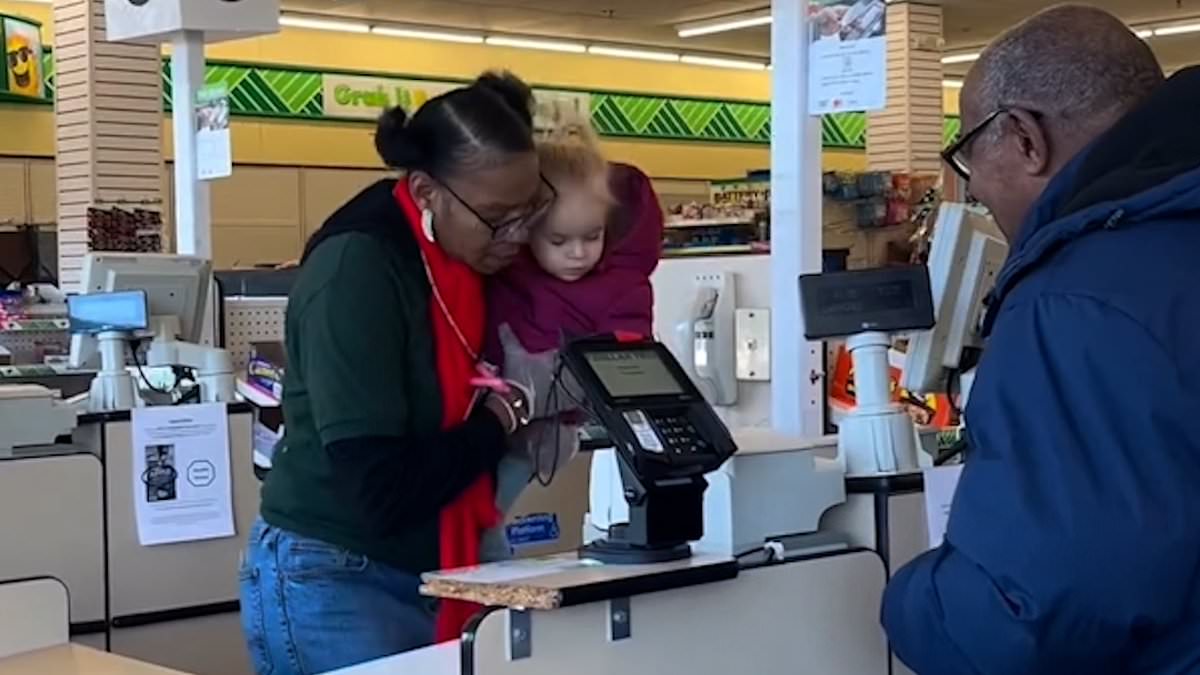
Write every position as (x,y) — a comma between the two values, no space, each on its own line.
(847,56)
(214,149)
(23,57)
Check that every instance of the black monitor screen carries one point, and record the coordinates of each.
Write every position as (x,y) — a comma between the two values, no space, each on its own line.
(894,295)
(633,372)
(891,299)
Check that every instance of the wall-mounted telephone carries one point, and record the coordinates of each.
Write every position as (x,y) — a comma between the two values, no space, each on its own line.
(707,341)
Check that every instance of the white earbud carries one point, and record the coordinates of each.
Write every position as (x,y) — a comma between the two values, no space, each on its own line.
(427,224)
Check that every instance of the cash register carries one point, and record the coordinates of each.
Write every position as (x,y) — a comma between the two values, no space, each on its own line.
(666,437)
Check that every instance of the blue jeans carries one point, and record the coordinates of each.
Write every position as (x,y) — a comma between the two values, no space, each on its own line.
(310,607)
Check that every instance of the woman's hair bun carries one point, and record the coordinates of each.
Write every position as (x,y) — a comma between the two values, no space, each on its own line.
(393,141)
(512,90)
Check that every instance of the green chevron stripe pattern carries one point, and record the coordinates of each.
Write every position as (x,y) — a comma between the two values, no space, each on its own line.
(290,93)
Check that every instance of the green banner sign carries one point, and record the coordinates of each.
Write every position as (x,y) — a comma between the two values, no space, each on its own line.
(292,93)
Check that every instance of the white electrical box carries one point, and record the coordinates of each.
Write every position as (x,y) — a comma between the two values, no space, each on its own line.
(160,20)
(753,334)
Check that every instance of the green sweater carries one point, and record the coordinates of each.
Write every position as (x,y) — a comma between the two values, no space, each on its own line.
(364,463)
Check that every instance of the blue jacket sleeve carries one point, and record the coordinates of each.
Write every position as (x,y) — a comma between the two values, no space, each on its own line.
(1072,533)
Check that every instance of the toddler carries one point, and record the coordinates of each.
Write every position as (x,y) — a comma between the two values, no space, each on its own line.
(586,271)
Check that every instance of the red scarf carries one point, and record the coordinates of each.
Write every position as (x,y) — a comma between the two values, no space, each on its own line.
(465,520)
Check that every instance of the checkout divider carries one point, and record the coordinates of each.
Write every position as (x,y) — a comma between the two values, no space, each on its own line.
(173,605)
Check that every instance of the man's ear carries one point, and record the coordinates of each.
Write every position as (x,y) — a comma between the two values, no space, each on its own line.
(423,189)
(1033,145)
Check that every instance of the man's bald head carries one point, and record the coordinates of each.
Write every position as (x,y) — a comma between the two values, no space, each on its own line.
(1075,64)
(1062,77)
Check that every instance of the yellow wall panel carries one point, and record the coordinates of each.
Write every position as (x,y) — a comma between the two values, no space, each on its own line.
(243,246)
(257,197)
(325,190)
(43,196)
(14,192)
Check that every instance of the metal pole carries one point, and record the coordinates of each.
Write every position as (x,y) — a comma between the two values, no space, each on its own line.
(797,380)
(193,208)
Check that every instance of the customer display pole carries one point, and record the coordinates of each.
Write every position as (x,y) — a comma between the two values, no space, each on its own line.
(193,207)
(797,379)
(187,25)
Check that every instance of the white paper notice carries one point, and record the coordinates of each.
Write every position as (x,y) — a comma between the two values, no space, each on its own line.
(940,483)
(847,69)
(182,490)
(214,144)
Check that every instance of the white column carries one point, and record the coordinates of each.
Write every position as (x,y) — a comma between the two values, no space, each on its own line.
(797,381)
(193,210)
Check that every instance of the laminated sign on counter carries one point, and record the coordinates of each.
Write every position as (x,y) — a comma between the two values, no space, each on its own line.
(182,486)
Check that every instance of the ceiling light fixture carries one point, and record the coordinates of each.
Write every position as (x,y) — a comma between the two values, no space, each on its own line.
(292,21)
(422,34)
(547,45)
(725,23)
(646,55)
(740,64)
(952,84)
(960,58)
(1177,30)
(1144,33)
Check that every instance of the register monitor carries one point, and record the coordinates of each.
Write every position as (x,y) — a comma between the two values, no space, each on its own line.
(176,286)
(175,291)
(967,254)
(666,437)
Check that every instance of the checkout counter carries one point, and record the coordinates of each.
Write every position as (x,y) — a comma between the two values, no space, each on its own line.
(787,570)
(68,483)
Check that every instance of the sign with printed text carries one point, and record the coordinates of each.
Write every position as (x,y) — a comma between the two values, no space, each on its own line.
(847,56)
(360,97)
(214,144)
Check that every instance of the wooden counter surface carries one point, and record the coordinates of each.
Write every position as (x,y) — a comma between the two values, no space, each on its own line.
(77,660)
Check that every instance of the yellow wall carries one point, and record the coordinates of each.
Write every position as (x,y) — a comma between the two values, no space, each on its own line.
(27,130)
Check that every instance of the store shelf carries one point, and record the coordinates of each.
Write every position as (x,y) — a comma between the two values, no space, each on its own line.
(257,396)
(33,325)
(683,223)
(729,249)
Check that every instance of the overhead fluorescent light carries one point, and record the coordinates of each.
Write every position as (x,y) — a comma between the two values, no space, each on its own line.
(323,24)
(421,34)
(1177,30)
(960,58)
(1144,33)
(722,63)
(525,43)
(621,52)
(725,23)
(952,84)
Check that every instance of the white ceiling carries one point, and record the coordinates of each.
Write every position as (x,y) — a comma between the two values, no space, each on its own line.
(646,22)
(968,23)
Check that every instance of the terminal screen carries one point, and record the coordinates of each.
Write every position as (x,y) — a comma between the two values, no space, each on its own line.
(633,372)
(99,312)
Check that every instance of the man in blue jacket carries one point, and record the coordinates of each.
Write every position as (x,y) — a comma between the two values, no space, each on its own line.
(1073,546)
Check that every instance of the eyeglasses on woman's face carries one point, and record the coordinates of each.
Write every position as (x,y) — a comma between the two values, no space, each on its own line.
(511,227)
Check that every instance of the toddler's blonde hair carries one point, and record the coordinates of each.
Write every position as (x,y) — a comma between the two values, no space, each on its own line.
(569,155)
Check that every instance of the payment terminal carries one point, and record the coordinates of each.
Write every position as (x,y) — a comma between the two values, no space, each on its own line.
(666,437)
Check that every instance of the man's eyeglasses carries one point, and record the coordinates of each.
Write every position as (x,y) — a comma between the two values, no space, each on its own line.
(958,154)
(545,199)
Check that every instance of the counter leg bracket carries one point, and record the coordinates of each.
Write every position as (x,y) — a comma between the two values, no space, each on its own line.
(520,635)
(620,620)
